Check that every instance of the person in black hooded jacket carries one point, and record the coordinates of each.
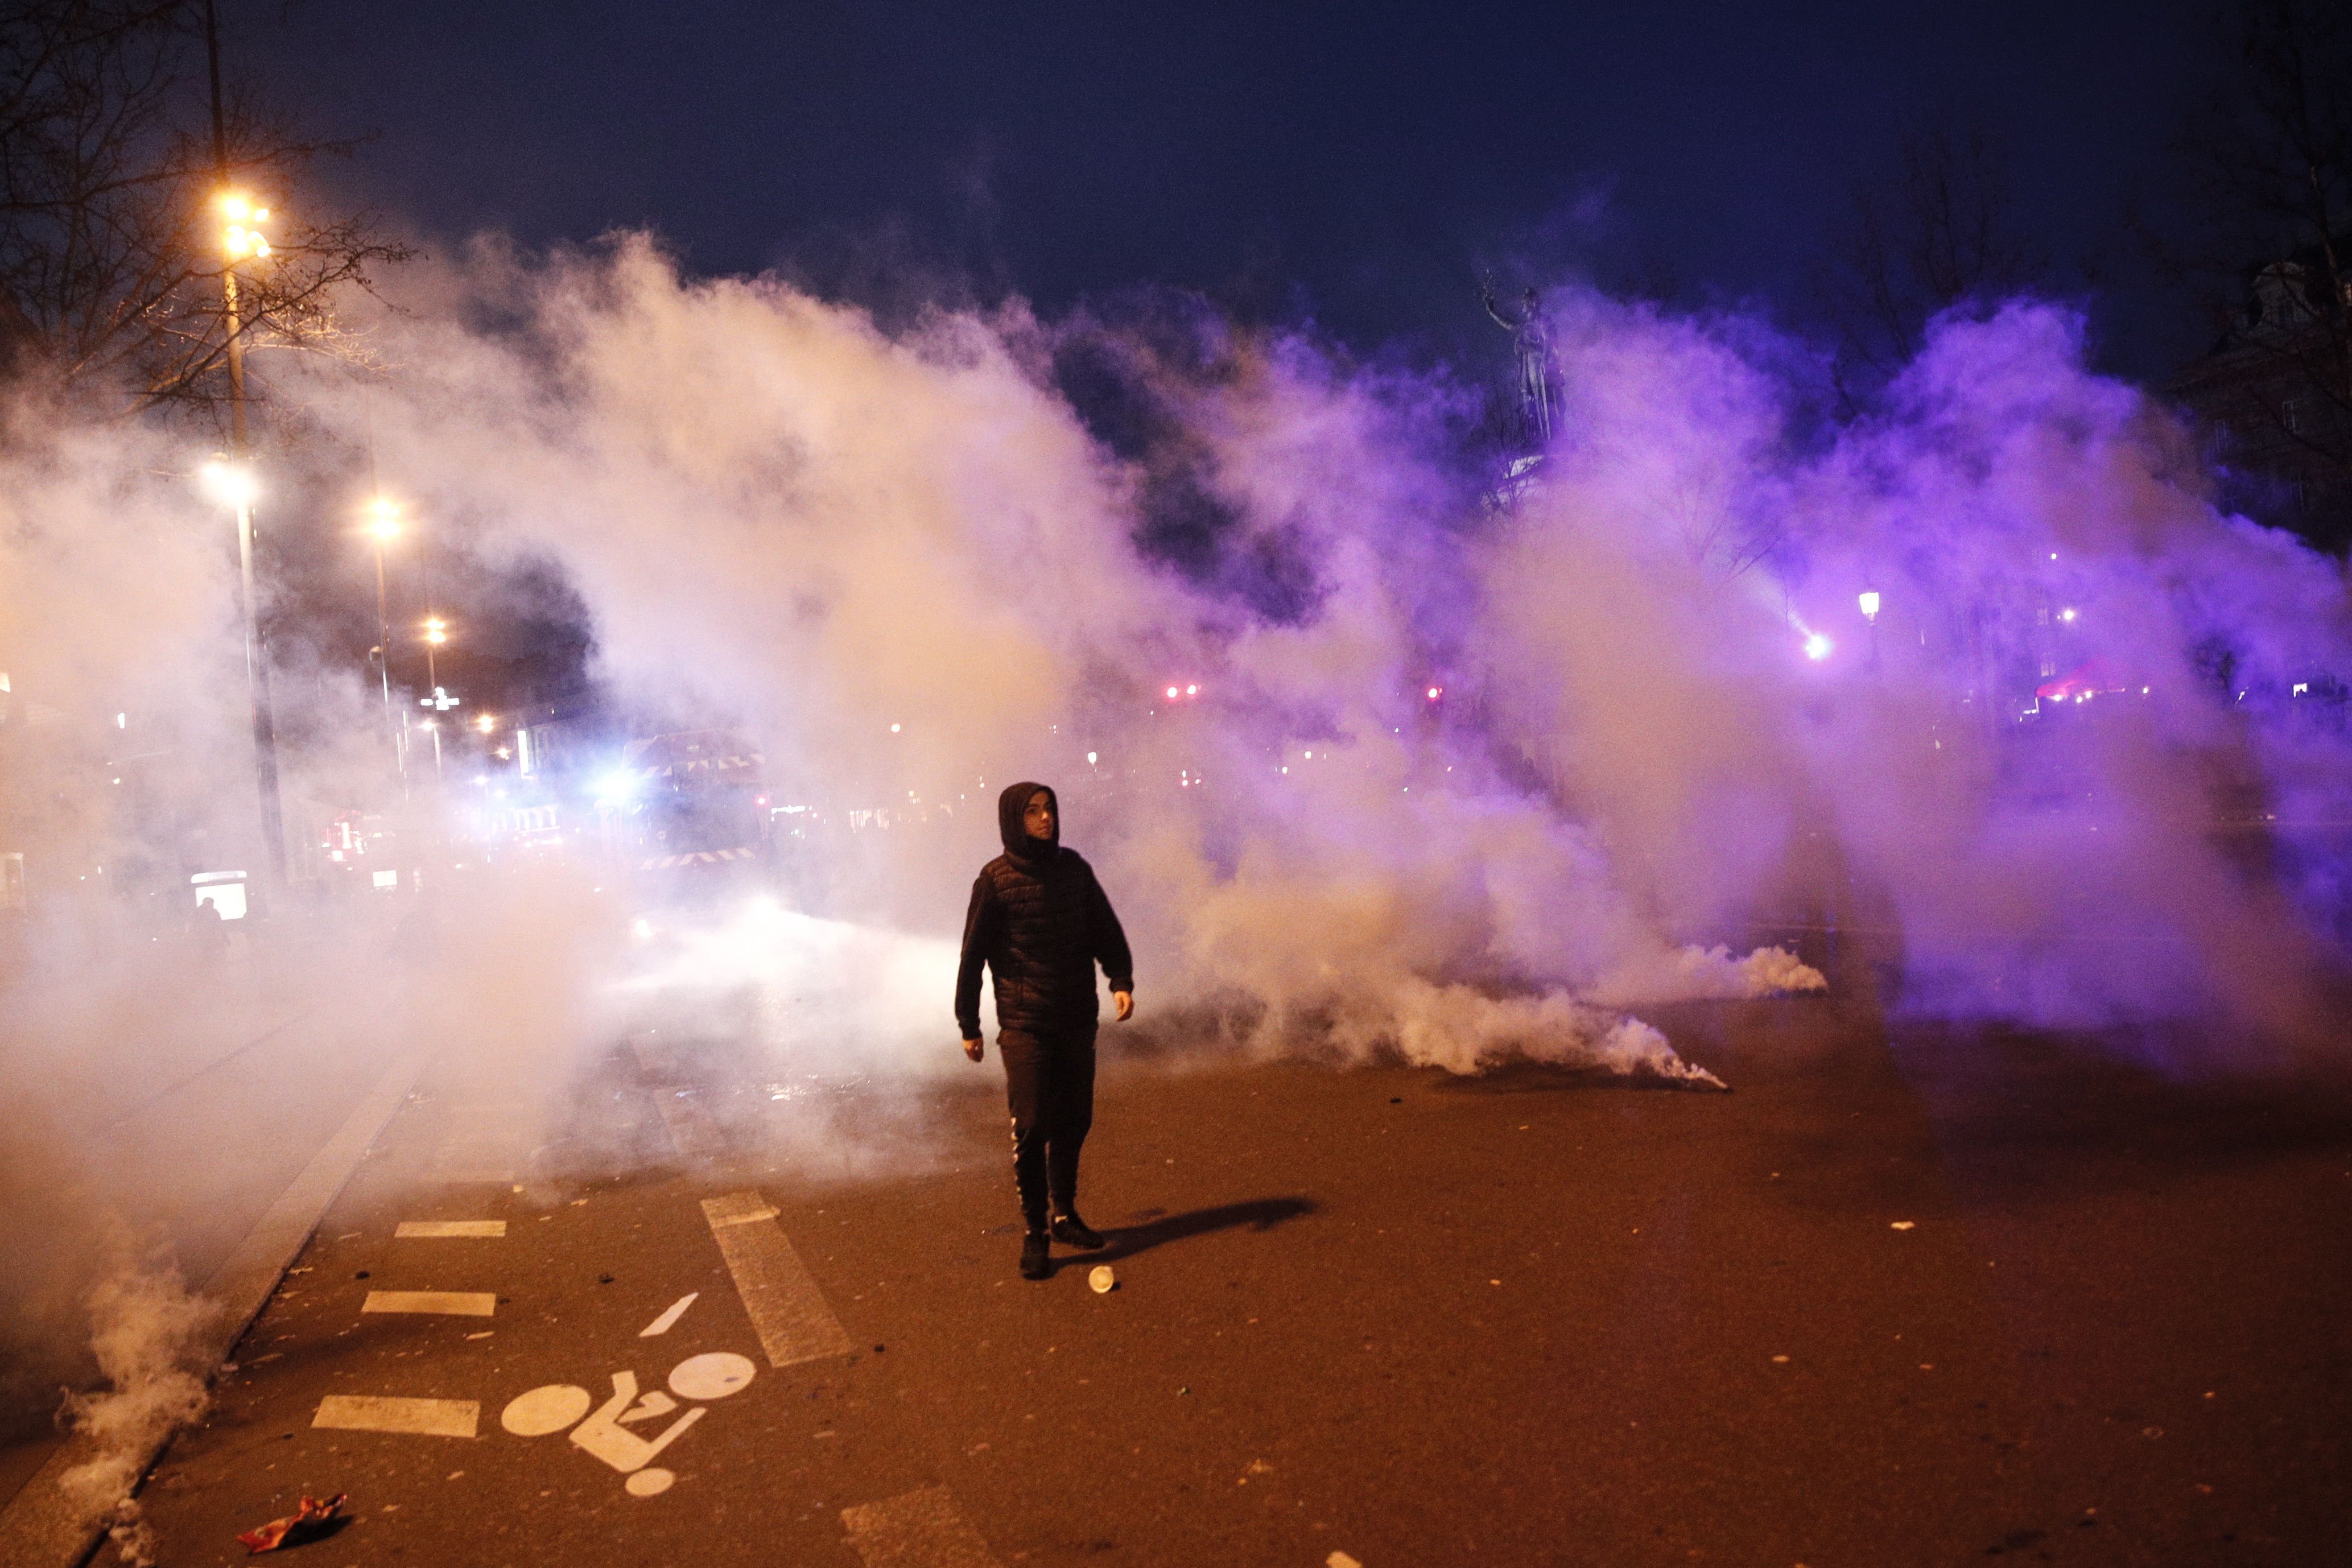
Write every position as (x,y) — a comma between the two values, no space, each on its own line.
(1041,922)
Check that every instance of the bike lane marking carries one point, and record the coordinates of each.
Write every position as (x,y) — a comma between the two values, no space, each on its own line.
(438,1229)
(449,1303)
(787,1309)
(669,1319)
(922,1529)
(378,1413)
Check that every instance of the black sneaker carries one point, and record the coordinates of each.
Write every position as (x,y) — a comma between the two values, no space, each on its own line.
(1072,1231)
(1036,1255)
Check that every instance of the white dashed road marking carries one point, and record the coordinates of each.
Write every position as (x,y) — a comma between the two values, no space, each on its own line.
(653,1055)
(433,1230)
(423,1417)
(917,1530)
(691,1132)
(450,1303)
(669,1319)
(787,1309)
(478,1144)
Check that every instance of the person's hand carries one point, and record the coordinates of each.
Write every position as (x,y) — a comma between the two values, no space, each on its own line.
(1125,1002)
(974,1050)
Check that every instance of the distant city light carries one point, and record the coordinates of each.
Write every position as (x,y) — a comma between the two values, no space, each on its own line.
(1435,692)
(894,729)
(1870,604)
(1192,691)
(1818,647)
(486,723)
(1171,692)
(2067,614)
(1090,759)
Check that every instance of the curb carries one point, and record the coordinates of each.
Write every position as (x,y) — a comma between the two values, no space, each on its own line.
(44,1527)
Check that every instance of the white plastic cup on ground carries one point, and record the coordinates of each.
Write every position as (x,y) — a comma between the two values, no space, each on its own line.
(1102,1279)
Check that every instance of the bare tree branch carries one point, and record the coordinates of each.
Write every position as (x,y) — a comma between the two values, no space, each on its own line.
(1938,236)
(2268,162)
(111,256)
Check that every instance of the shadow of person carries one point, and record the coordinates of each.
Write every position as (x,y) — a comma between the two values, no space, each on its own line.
(1152,1228)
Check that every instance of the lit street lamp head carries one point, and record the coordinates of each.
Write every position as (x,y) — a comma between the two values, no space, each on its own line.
(241,237)
(437,631)
(231,484)
(383,519)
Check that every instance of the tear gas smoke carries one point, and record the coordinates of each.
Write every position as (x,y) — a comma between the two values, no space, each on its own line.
(151,1337)
(1446,773)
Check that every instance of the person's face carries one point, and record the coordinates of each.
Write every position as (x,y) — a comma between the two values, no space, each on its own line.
(1037,817)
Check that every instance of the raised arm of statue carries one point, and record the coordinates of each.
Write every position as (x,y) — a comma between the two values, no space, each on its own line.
(1486,298)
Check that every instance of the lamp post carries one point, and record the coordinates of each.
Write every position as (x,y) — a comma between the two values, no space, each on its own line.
(440,701)
(383,527)
(232,483)
(241,238)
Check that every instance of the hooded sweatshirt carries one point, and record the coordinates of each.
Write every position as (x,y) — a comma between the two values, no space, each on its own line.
(1041,922)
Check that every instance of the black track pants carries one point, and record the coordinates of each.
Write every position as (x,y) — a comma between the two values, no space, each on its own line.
(1049,1084)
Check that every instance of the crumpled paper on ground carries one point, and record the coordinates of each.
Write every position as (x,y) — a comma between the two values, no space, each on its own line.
(306,1521)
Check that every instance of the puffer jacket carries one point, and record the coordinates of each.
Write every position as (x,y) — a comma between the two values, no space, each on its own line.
(1041,922)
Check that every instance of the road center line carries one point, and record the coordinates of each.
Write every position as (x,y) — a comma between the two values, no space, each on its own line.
(787,1309)
(450,1303)
(373,1413)
(424,1230)
(916,1530)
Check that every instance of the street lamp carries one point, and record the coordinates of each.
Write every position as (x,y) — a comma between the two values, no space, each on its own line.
(242,240)
(231,483)
(383,527)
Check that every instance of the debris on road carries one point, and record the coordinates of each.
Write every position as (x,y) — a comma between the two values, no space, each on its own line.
(1340,1560)
(1904,1225)
(306,1522)
(1103,1280)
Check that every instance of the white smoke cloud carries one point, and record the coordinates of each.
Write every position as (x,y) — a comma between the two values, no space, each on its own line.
(1458,781)
(152,1340)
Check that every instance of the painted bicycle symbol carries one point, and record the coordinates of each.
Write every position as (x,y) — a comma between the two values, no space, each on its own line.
(604,1435)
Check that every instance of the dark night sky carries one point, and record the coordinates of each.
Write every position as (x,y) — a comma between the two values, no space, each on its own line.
(1357,163)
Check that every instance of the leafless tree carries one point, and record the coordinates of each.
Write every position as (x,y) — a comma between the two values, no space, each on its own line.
(111,159)
(2268,159)
(1940,233)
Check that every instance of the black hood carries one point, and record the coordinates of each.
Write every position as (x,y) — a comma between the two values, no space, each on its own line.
(1017,842)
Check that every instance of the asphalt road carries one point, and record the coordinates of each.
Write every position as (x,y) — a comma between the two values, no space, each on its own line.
(157,1098)
(1926,1300)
